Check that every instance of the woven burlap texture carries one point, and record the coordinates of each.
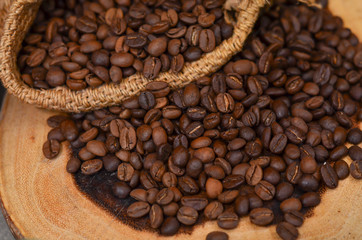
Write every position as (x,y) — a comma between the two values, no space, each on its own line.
(21,16)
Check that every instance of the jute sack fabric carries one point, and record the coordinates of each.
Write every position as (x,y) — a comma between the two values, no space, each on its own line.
(242,13)
(4,8)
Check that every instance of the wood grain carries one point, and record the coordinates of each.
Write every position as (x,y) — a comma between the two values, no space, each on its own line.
(42,201)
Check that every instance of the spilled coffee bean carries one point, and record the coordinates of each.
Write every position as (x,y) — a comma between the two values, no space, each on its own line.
(269,129)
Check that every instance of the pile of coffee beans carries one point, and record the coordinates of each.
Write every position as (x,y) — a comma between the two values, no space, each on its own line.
(258,138)
(81,44)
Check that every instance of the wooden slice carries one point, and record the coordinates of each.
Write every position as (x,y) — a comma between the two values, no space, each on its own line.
(40,199)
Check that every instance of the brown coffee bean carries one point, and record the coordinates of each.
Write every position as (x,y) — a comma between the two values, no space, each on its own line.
(187,215)
(254,175)
(355,168)
(294,217)
(170,226)
(51,148)
(216,235)
(125,172)
(91,167)
(213,187)
(228,220)
(265,190)
(213,210)
(156,216)
(329,176)
(291,204)
(138,209)
(261,216)
(287,231)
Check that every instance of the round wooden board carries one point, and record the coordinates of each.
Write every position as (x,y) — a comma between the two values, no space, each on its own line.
(41,201)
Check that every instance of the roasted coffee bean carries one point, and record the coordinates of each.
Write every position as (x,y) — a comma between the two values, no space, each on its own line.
(284,190)
(138,209)
(73,165)
(216,235)
(164,197)
(254,175)
(354,136)
(233,181)
(310,199)
(287,231)
(91,166)
(187,215)
(265,190)
(294,217)
(291,204)
(188,185)
(278,143)
(355,152)
(96,147)
(341,168)
(242,205)
(329,176)
(308,183)
(51,148)
(170,226)
(121,189)
(228,220)
(213,188)
(139,195)
(356,169)
(293,173)
(156,216)
(261,216)
(213,210)
(111,163)
(69,130)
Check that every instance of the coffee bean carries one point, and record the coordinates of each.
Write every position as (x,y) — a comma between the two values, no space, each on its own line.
(156,216)
(341,169)
(73,165)
(125,172)
(170,226)
(291,204)
(329,176)
(164,197)
(355,168)
(354,136)
(294,217)
(233,181)
(51,148)
(188,185)
(196,202)
(121,189)
(216,235)
(213,188)
(242,205)
(213,210)
(310,199)
(138,209)
(287,231)
(187,215)
(228,220)
(261,216)
(278,143)
(254,175)
(96,147)
(91,166)
(265,190)
(355,153)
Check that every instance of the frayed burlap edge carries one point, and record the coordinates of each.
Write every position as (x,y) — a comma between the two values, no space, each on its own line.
(21,16)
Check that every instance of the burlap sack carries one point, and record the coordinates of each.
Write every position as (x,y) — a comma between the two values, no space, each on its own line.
(242,13)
